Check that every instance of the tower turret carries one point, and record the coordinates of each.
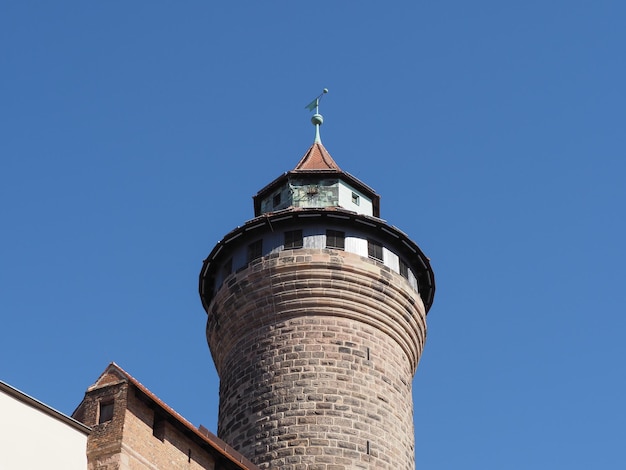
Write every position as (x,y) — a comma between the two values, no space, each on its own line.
(316,323)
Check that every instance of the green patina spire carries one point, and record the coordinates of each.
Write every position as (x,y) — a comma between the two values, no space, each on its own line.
(317,118)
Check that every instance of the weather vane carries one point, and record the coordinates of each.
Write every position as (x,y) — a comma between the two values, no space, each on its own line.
(315,104)
(317,118)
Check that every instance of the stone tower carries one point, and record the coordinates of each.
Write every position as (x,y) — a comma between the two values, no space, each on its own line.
(316,323)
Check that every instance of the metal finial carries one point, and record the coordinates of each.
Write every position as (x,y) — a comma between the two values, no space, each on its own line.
(317,118)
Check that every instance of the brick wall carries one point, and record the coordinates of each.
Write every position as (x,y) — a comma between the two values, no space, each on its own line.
(104,443)
(127,442)
(141,449)
(316,351)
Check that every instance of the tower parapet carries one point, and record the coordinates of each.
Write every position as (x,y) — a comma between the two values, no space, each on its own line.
(316,323)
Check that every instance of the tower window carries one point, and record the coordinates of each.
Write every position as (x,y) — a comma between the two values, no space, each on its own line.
(227,268)
(374,250)
(404,269)
(293,239)
(255,250)
(105,412)
(335,239)
(356,199)
(276,200)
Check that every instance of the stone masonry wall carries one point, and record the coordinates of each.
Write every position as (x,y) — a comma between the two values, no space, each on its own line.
(316,351)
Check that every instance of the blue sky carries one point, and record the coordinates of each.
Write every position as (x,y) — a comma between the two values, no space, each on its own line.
(133,135)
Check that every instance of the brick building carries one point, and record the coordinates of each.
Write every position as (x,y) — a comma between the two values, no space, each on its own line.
(131,428)
(119,425)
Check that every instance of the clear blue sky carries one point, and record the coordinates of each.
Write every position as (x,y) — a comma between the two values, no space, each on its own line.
(133,135)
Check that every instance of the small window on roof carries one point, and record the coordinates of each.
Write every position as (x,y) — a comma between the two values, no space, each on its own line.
(356,199)
(276,200)
(105,411)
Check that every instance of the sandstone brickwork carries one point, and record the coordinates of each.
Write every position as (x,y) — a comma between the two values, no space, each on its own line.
(316,351)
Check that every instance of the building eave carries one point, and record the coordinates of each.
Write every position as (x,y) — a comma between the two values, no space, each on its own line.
(34,403)
(271,220)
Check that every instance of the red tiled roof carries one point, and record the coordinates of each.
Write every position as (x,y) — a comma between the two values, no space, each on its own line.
(317,158)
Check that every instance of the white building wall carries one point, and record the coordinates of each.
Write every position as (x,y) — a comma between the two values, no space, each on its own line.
(356,245)
(391,260)
(413,280)
(314,240)
(345,200)
(31,438)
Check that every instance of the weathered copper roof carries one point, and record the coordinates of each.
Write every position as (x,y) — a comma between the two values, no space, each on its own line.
(317,158)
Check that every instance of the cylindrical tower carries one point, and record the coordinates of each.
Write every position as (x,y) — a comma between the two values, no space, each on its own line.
(316,322)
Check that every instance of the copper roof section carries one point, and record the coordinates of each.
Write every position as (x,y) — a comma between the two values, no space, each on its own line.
(317,158)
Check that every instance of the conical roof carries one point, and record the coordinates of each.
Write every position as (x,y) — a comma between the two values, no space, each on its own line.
(317,158)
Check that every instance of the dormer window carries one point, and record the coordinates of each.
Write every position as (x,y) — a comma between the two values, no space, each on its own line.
(356,200)
(276,200)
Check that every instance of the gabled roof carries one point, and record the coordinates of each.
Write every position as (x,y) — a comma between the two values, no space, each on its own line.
(115,374)
(317,158)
